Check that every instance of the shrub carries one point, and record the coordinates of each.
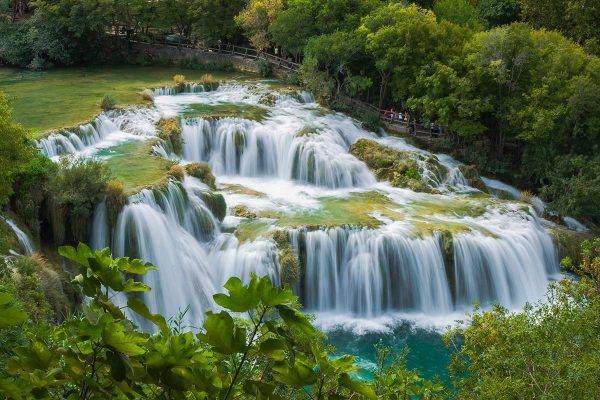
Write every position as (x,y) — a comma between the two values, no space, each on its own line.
(264,68)
(201,171)
(108,102)
(179,83)
(371,121)
(115,200)
(177,172)
(170,132)
(147,95)
(74,190)
(209,83)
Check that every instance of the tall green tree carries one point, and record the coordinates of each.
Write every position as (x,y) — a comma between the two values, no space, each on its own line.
(15,150)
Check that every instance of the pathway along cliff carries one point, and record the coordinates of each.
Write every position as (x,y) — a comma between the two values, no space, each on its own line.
(368,230)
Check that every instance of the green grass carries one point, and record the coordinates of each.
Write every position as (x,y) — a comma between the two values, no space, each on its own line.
(65,97)
(132,164)
(226,110)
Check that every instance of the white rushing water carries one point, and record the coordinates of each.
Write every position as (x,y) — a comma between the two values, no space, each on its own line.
(399,252)
(27,246)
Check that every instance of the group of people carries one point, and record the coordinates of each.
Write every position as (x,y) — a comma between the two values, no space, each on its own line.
(393,115)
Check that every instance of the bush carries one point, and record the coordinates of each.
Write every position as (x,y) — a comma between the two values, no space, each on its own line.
(170,132)
(201,170)
(574,187)
(209,83)
(179,83)
(264,68)
(371,121)
(115,200)
(147,95)
(108,102)
(177,172)
(74,190)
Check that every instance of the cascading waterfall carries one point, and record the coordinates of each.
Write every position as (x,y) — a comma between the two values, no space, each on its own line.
(189,87)
(369,272)
(503,256)
(24,240)
(240,147)
(108,128)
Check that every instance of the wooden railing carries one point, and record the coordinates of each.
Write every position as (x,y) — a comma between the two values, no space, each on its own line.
(246,52)
(239,51)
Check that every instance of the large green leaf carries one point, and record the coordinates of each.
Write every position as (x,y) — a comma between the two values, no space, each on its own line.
(362,388)
(128,343)
(295,319)
(10,314)
(222,334)
(138,306)
(240,298)
(299,374)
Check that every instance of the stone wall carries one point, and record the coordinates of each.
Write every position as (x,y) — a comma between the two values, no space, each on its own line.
(175,55)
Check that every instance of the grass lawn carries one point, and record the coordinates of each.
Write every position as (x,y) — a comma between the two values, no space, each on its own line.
(65,97)
(132,164)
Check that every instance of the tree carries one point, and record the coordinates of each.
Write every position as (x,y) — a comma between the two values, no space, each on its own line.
(215,22)
(403,41)
(461,12)
(333,53)
(256,19)
(577,19)
(549,350)
(15,150)
(499,12)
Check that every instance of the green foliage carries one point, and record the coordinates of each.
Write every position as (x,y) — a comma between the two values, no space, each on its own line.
(108,102)
(170,131)
(14,150)
(203,172)
(576,19)
(461,12)
(371,121)
(275,353)
(499,12)
(74,190)
(393,380)
(264,68)
(574,187)
(400,168)
(550,350)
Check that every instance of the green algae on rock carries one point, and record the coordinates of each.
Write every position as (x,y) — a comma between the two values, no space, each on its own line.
(403,169)
(202,171)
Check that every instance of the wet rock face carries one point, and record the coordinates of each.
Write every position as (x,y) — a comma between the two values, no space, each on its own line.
(472,176)
(403,169)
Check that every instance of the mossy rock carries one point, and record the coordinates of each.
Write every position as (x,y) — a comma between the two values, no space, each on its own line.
(400,168)
(568,243)
(216,204)
(289,263)
(202,171)
(471,174)
(243,212)
(170,131)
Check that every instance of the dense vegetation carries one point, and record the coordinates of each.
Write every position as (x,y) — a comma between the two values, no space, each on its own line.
(260,346)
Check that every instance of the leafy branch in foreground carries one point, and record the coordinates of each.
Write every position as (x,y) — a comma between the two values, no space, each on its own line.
(259,346)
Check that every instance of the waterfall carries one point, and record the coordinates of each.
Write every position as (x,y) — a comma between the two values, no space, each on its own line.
(428,254)
(240,147)
(172,91)
(370,272)
(107,129)
(24,240)
(99,235)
